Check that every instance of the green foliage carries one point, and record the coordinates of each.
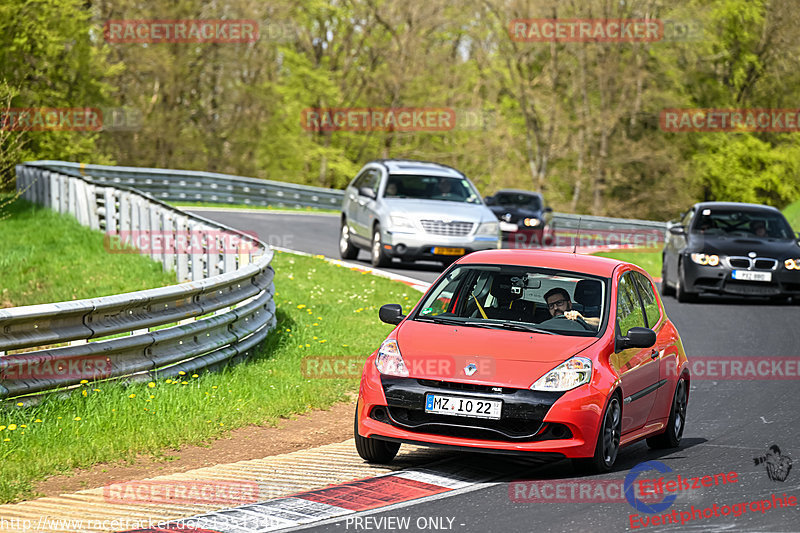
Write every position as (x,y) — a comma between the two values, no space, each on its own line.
(50,57)
(746,169)
(792,214)
(578,120)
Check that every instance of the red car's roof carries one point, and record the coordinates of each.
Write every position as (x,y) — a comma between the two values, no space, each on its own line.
(587,264)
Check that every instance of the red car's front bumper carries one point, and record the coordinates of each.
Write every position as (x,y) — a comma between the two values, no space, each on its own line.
(578,410)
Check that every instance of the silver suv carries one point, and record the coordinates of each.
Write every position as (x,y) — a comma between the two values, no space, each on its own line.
(414,210)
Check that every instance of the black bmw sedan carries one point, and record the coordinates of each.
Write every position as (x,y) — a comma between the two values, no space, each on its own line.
(524,219)
(731,248)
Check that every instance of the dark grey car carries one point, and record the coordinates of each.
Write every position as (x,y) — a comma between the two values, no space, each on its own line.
(731,248)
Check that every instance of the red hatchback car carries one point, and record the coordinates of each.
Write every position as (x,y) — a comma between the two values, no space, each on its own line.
(534,352)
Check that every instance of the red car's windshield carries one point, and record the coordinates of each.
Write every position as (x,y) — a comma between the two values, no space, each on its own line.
(514,297)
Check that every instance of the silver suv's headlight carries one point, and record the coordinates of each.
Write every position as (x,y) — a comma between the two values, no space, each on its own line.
(488,228)
(566,376)
(399,221)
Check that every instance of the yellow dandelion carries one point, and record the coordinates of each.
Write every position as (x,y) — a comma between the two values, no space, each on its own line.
(20,404)
(168,381)
(151,396)
(214,387)
(195,376)
(308,346)
(12,427)
(323,340)
(38,420)
(131,396)
(77,419)
(315,338)
(6,440)
(83,392)
(184,382)
(151,385)
(84,381)
(23,426)
(96,390)
(315,324)
(301,306)
(181,373)
(2,428)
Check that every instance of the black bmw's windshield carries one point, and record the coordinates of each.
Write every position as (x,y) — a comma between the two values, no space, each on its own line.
(518,298)
(735,223)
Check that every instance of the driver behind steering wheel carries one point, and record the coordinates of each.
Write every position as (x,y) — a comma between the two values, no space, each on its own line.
(559,303)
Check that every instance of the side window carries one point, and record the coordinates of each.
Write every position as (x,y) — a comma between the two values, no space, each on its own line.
(651,310)
(358,182)
(629,310)
(371,179)
(687,218)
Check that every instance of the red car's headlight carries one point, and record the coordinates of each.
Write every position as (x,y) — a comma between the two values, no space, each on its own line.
(389,360)
(566,376)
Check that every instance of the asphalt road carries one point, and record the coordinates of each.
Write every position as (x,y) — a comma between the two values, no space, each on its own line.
(729,423)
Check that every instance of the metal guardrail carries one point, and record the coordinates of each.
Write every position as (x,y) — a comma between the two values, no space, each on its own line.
(219,316)
(196,186)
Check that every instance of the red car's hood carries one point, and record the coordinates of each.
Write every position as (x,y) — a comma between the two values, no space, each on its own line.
(505,358)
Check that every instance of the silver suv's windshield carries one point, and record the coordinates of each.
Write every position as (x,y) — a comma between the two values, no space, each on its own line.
(431,188)
(518,298)
(751,224)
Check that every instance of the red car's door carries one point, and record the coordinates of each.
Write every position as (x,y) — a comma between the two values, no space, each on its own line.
(637,367)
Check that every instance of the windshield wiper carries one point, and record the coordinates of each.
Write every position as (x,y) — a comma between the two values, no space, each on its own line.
(511,325)
(440,320)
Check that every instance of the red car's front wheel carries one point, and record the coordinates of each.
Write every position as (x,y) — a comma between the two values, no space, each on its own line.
(373,450)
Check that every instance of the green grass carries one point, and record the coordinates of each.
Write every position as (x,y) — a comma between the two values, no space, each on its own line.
(650,261)
(47,257)
(323,310)
(250,206)
(792,214)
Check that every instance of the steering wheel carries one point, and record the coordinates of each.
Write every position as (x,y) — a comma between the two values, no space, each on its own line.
(579,320)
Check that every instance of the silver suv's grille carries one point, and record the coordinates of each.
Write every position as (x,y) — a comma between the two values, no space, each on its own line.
(450,229)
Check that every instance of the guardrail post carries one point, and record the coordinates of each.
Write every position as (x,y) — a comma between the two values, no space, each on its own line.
(52,181)
(196,251)
(169,238)
(213,250)
(110,209)
(94,219)
(181,257)
(125,212)
(62,194)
